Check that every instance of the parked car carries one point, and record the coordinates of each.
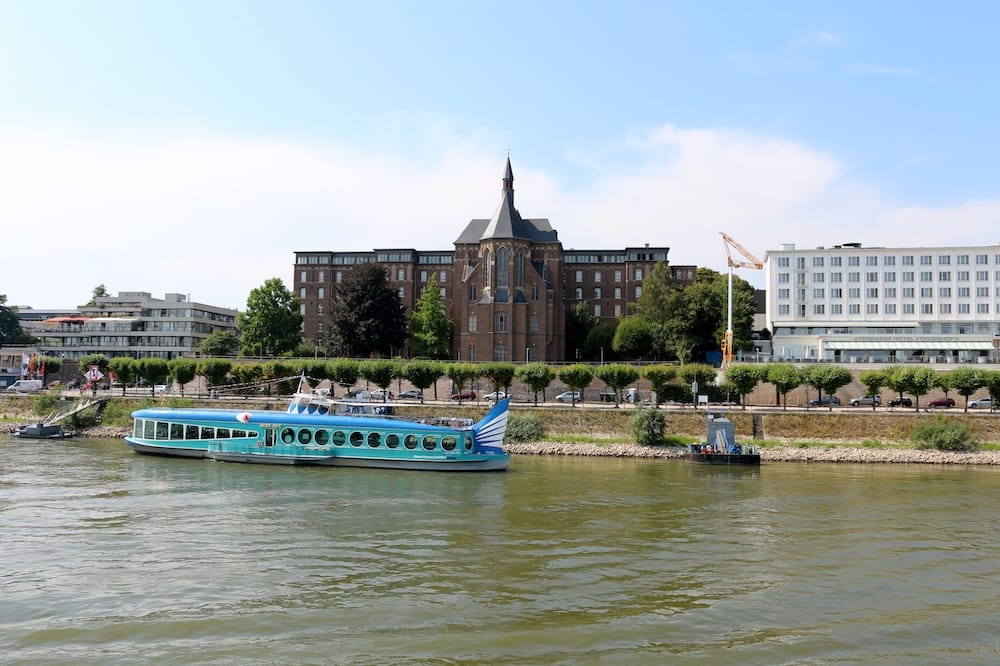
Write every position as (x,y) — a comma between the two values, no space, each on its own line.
(984,403)
(901,402)
(867,400)
(495,396)
(941,402)
(73,383)
(569,396)
(825,401)
(463,395)
(381,394)
(410,394)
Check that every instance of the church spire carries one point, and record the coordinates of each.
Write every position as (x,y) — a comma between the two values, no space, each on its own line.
(508,181)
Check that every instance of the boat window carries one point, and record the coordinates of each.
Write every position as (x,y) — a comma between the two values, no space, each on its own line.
(207,433)
(322,437)
(410,441)
(468,442)
(162,429)
(176,431)
(269,437)
(339,438)
(374,439)
(222,432)
(392,441)
(287,436)
(305,436)
(449,442)
(430,442)
(357,439)
(137,428)
(191,432)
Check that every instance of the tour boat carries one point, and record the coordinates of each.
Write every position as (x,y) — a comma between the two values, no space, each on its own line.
(314,432)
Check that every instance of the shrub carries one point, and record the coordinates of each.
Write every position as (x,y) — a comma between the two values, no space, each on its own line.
(45,403)
(523,428)
(943,434)
(647,426)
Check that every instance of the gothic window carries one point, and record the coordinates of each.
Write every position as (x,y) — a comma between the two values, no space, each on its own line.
(518,268)
(502,268)
(501,322)
(489,268)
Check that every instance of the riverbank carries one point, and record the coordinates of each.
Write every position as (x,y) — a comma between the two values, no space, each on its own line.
(831,453)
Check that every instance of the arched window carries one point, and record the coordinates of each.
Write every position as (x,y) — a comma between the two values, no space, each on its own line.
(501,322)
(518,268)
(488,265)
(503,270)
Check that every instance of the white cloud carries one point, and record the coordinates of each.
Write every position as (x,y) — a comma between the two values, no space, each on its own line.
(215,216)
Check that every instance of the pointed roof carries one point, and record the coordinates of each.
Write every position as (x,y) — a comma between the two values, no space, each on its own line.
(506,221)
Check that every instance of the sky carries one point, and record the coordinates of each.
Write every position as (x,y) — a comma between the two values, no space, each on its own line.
(193,147)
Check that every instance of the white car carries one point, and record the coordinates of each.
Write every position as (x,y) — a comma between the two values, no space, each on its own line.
(985,403)
(496,396)
(569,396)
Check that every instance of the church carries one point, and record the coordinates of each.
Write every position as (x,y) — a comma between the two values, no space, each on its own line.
(507,283)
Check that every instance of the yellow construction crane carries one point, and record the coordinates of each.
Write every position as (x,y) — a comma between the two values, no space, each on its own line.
(748,261)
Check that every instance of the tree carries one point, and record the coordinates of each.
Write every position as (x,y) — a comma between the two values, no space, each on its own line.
(153,370)
(219,343)
(659,376)
(577,377)
(991,380)
(182,370)
(500,374)
(100,291)
(967,381)
(895,379)
(423,374)
(785,377)
(215,370)
(744,379)
(125,370)
(460,374)
(380,372)
(579,323)
(272,322)
(873,380)
(366,317)
(697,372)
(635,337)
(50,365)
(661,295)
(430,327)
(599,343)
(617,376)
(11,332)
(828,378)
(345,372)
(537,376)
(918,380)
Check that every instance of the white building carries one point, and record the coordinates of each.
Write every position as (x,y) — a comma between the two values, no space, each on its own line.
(853,304)
(133,323)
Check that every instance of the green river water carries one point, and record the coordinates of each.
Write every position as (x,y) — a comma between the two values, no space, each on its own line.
(108,557)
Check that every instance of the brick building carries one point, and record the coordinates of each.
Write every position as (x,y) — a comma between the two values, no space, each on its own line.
(507,283)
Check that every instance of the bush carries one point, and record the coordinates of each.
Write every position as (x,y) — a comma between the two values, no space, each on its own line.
(523,428)
(45,403)
(943,434)
(647,426)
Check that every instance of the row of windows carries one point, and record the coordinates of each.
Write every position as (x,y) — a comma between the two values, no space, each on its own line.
(598,276)
(890,260)
(889,276)
(149,429)
(887,308)
(890,292)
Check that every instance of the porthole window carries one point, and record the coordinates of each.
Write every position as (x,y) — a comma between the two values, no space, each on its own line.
(410,441)
(339,438)
(430,442)
(392,441)
(322,437)
(449,442)
(287,436)
(468,442)
(357,439)
(374,439)
(305,436)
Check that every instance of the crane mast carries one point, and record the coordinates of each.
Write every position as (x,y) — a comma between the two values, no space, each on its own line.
(748,260)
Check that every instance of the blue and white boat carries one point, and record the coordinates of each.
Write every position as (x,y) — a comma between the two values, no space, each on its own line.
(311,432)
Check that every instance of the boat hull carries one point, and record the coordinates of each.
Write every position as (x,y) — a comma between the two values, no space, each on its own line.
(723,458)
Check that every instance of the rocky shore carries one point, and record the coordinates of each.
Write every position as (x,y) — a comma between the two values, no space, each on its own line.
(807,454)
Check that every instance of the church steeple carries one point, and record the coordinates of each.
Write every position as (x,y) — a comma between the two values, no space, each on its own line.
(508,182)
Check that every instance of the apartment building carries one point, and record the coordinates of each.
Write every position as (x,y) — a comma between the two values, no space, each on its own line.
(850,303)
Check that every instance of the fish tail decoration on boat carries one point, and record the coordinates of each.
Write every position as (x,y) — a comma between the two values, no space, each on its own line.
(490,430)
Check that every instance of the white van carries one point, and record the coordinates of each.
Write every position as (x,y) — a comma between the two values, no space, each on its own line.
(26,385)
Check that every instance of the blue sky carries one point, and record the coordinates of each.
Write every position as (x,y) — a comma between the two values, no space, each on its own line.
(193,147)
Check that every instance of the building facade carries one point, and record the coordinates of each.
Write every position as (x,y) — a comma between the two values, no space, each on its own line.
(507,283)
(135,324)
(850,303)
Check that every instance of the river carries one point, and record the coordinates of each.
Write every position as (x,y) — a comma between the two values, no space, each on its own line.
(109,557)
